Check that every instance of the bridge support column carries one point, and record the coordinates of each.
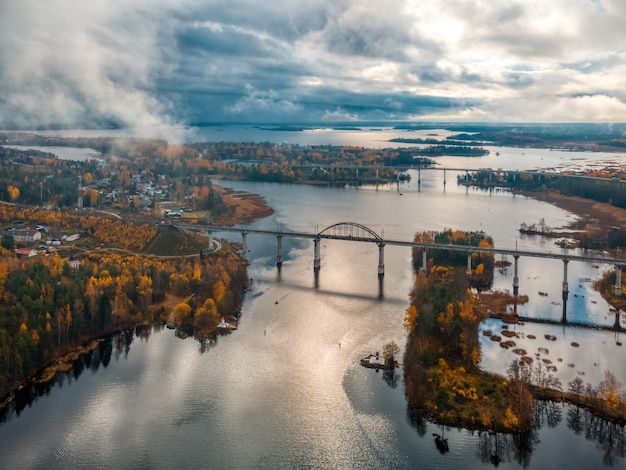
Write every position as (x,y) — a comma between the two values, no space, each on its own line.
(565,291)
(210,240)
(424,260)
(469,263)
(279,252)
(244,246)
(381,259)
(316,255)
(618,281)
(515,277)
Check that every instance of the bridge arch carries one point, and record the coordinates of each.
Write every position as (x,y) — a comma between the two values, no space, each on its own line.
(352,230)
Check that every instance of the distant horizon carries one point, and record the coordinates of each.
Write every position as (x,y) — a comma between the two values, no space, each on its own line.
(330,125)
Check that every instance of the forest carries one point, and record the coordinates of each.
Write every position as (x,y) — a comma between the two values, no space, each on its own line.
(443,380)
(110,278)
(442,377)
(572,136)
(601,186)
(449,148)
(48,306)
(186,168)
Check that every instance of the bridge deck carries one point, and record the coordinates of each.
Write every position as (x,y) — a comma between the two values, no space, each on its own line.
(413,244)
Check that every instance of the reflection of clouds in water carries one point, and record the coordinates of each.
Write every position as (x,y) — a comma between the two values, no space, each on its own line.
(597,351)
(584,303)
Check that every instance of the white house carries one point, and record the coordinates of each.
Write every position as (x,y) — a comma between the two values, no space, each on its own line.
(25,235)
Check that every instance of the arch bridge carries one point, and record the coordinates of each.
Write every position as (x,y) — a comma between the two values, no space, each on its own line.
(355,232)
(349,231)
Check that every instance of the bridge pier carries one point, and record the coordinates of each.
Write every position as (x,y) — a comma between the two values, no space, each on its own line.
(618,280)
(424,260)
(279,253)
(210,232)
(244,246)
(515,277)
(565,291)
(469,263)
(381,259)
(316,255)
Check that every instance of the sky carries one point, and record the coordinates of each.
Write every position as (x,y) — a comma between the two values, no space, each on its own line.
(147,63)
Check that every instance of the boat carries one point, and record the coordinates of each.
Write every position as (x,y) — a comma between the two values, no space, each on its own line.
(225,326)
(375,361)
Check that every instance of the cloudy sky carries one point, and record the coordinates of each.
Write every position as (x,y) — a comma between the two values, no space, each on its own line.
(150,62)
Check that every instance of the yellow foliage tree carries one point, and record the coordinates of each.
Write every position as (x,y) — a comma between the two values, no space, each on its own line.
(13,192)
(410,318)
(182,313)
(218,290)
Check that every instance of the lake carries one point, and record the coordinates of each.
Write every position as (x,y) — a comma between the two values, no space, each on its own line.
(286,389)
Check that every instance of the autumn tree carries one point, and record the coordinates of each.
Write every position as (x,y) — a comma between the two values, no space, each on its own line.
(206,317)
(13,192)
(390,351)
(182,313)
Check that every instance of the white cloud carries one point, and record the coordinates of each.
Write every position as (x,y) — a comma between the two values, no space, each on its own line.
(265,101)
(82,62)
(339,115)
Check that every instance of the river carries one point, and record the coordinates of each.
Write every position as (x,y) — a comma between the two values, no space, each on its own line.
(285,390)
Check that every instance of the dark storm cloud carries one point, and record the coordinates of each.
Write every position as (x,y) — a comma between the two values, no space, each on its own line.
(284,20)
(225,41)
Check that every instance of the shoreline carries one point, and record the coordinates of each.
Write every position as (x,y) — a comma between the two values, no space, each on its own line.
(589,211)
(249,207)
(61,363)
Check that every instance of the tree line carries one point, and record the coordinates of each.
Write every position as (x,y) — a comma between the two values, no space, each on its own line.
(48,306)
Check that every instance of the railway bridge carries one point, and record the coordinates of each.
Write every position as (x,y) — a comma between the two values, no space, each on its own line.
(359,233)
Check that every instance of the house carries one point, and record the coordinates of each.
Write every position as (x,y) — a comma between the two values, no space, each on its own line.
(25,235)
(73,263)
(25,252)
(73,238)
